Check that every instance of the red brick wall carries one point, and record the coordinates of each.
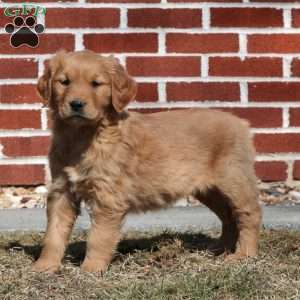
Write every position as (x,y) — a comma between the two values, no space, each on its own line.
(240,56)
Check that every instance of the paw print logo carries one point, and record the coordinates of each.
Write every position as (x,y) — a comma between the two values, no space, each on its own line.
(24,31)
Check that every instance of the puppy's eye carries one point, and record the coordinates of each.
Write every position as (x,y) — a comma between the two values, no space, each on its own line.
(65,82)
(96,83)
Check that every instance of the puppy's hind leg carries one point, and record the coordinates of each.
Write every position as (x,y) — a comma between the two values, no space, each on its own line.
(218,203)
(241,191)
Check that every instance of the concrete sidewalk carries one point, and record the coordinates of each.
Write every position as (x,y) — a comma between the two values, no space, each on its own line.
(175,219)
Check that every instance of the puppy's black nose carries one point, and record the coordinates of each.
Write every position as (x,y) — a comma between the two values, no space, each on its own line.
(77,105)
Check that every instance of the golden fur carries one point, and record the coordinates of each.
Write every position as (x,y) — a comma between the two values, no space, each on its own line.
(117,162)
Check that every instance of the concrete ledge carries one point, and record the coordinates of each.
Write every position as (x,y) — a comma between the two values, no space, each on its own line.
(176,219)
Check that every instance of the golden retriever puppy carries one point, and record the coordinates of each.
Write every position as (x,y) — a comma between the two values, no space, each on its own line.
(119,162)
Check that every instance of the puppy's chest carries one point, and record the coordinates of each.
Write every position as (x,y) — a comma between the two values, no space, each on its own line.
(93,181)
(86,171)
(77,181)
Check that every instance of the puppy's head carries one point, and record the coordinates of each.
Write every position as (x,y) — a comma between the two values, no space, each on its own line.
(83,86)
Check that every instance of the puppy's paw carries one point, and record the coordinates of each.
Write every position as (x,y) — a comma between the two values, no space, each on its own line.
(240,255)
(42,265)
(233,257)
(94,266)
(236,257)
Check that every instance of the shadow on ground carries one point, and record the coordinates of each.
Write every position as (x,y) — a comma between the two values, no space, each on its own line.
(76,250)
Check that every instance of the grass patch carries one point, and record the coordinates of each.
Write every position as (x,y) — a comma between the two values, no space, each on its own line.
(160,267)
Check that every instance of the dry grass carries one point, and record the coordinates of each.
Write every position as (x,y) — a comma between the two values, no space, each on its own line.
(147,266)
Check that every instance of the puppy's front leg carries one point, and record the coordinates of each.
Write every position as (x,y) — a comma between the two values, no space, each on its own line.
(61,214)
(102,240)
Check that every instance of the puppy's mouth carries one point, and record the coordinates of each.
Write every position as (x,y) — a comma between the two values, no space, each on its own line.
(75,116)
(66,114)
(78,118)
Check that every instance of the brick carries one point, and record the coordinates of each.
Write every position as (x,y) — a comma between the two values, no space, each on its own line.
(40,1)
(279,142)
(295,67)
(295,117)
(253,66)
(48,44)
(163,66)
(3,19)
(25,146)
(19,93)
(274,91)
(18,68)
(276,1)
(124,1)
(82,17)
(121,42)
(246,17)
(296,17)
(259,117)
(22,174)
(202,91)
(147,92)
(156,17)
(296,170)
(18,119)
(201,1)
(274,43)
(268,171)
(202,43)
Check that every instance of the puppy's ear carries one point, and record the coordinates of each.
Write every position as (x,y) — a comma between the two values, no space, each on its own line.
(123,86)
(44,85)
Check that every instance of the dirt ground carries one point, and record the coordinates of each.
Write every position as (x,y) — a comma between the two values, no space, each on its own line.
(155,266)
